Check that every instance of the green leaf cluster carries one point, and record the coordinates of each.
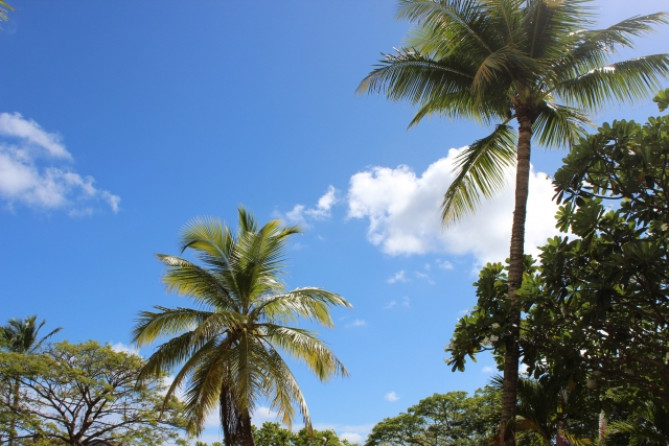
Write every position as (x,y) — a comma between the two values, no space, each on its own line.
(453,418)
(80,394)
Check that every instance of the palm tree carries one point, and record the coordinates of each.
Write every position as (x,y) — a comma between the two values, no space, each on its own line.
(21,336)
(228,348)
(496,61)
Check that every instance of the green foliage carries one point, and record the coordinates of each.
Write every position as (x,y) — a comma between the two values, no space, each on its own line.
(81,393)
(227,349)
(604,304)
(495,61)
(453,418)
(596,308)
(662,99)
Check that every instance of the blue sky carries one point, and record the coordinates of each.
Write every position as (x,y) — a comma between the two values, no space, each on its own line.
(121,121)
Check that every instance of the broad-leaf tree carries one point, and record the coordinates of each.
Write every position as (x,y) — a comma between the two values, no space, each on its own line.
(453,418)
(86,394)
(21,336)
(227,350)
(603,303)
(535,62)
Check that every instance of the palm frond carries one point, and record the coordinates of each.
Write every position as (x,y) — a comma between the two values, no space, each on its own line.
(559,126)
(204,389)
(166,321)
(621,81)
(463,21)
(304,345)
(311,303)
(481,170)
(283,389)
(410,75)
(187,278)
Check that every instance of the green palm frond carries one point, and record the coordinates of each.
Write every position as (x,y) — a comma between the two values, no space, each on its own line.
(285,390)
(586,50)
(621,81)
(304,345)
(309,303)
(481,169)
(460,21)
(410,75)
(560,126)
(202,394)
(166,321)
(187,278)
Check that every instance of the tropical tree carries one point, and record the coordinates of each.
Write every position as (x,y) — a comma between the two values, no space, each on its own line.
(453,418)
(87,394)
(228,349)
(532,61)
(21,336)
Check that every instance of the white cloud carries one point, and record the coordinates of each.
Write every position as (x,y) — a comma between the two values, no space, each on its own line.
(300,214)
(123,348)
(391,397)
(357,323)
(15,126)
(399,276)
(405,303)
(35,172)
(444,264)
(404,213)
(262,414)
(488,370)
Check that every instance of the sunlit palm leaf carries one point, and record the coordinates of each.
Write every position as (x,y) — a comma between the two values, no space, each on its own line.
(481,169)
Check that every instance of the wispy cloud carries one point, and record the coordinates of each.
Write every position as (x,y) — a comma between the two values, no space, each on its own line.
(302,215)
(391,397)
(444,264)
(35,171)
(399,276)
(123,348)
(488,370)
(403,211)
(405,302)
(357,323)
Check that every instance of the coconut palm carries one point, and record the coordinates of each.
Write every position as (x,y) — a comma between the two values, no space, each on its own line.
(498,61)
(21,335)
(228,349)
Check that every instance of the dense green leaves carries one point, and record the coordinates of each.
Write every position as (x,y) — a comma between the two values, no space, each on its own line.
(447,419)
(80,394)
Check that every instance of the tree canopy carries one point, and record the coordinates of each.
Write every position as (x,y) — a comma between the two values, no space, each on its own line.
(86,394)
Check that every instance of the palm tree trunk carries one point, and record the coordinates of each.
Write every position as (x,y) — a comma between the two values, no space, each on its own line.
(516,266)
(237,428)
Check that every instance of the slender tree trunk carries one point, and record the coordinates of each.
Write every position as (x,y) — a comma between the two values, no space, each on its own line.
(236,423)
(516,266)
(16,392)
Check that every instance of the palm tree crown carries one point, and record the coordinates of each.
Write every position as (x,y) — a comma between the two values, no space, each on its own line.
(228,349)
(22,335)
(504,60)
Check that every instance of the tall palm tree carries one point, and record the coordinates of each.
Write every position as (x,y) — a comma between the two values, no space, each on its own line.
(228,348)
(496,61)
(21,336)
